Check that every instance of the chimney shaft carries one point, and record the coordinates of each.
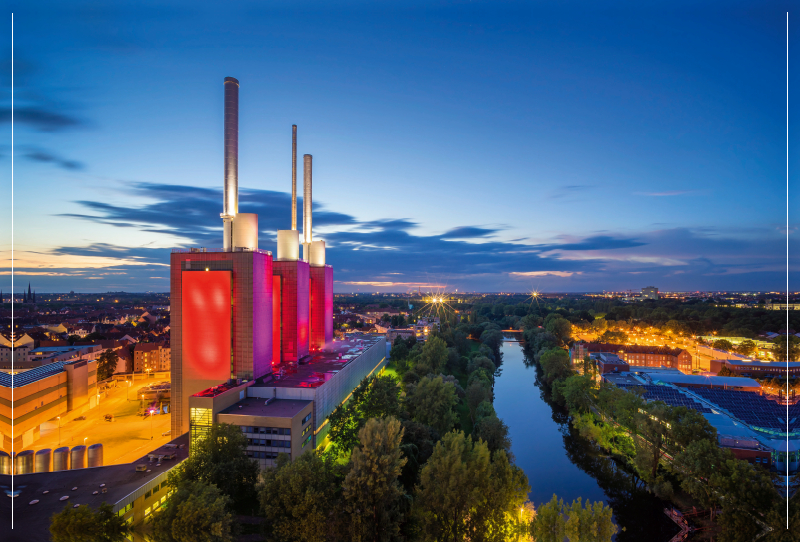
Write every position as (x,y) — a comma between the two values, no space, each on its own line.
(294,176)
(230,200)
(306,204)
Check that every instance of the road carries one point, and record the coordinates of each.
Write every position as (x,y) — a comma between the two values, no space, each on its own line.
(125,439)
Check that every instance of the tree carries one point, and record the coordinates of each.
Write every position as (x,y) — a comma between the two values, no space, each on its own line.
(476,393)
(613,337)
(434,356)
(493,338)
(481,362)
(83,524)
(549,525)
(599,325)
(107,364)
(651,426)
(372,491)
(196,511)
(722,344)
(746,348)
(593,523)
(695,464)
(220,459)
(555,364)
(560,328)
(431,403)
(399,350)
(465,494)
(725,371)
(576,393)
(780,351)
(494,432)
(555,521)
(374,397)
(300,499)
(417,445)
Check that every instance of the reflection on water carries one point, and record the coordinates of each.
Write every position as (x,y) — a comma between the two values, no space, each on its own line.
(558,461)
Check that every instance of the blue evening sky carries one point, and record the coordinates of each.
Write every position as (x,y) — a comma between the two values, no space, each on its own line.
(487,146)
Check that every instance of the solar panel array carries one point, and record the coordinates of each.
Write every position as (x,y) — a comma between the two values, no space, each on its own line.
(670,396)
(754,409)
(27,377)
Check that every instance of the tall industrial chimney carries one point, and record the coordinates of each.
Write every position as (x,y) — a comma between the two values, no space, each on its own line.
(231,187)
(294,176)
(306,206)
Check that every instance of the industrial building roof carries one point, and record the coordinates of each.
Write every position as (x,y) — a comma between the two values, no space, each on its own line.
(679,378)
(28,377)
(310,372)
(746,363)
(32,521)
(273,408)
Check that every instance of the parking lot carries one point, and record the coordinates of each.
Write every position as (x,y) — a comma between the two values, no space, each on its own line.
(124,439)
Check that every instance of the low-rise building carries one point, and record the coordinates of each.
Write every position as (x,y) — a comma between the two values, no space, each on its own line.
(646,356)
(151,357)
(40,395)
(287,411)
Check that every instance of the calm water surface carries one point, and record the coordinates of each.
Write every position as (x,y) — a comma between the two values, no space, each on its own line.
(556,461)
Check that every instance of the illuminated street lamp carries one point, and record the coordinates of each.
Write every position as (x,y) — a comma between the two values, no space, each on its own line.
(59,430)
(84,440)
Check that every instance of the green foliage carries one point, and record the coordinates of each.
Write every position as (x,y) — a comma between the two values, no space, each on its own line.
(83,524)
(431,403)
(560,328)
(373,398)
(592,523)
(494,432)
(725,371)
(220,460)
(301,499)
(106,364)
(555,522)
(417,445)
(196,511)
(434,357)
(481,362)
(575,392)
(373,495)
(722,344)
(549,524)
(555,364)
(476,393)
(464,494)
(746,348)
(787,347)
(613,337)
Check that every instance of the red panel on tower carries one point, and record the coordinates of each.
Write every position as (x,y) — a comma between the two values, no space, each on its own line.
(206,308)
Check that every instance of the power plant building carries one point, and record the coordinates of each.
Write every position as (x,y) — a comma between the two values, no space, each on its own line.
(252,334)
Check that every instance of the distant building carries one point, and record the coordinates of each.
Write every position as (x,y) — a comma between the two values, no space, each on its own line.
(650,292)
(151,357)
(646,356)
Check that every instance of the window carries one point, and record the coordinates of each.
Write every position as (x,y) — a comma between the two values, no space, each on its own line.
(287,431)
(147,512)
(200,420)
(305,442)
(147,495)
(163,484)
(306,419)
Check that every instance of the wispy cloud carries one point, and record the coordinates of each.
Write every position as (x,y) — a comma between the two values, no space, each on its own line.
(562,274)
(665,194)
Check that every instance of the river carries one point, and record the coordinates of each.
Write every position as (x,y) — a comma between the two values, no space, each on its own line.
(557,461)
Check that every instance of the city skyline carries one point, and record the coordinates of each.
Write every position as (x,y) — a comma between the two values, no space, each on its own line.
(476,149)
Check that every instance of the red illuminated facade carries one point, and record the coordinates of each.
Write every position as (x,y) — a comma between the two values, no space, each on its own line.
(213,341)
(294,308)
(321,306)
